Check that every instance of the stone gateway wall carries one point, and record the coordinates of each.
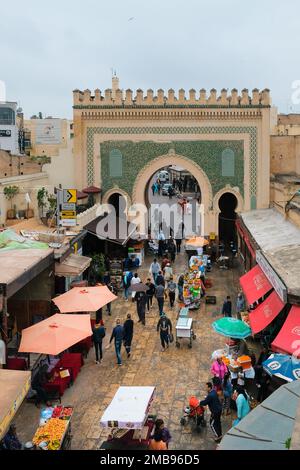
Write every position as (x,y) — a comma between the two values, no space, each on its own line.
(209,155)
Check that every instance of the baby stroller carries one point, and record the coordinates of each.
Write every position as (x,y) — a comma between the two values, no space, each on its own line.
(194,413)
(152,247)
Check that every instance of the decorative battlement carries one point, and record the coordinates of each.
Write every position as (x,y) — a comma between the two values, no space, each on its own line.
(116,97)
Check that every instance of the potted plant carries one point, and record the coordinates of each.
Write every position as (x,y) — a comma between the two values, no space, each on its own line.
(10,192)
(42,201)
(97,268)
(52,209)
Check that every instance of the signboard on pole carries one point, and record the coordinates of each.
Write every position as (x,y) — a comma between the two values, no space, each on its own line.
(67,200)
(70,196)
(272,276)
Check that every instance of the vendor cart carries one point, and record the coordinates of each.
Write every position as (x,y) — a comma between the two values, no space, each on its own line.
(184,330)
(127,416)
(55,434)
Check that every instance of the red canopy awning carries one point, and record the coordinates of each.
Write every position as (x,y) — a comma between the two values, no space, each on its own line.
(288,339)
(245,237)
(255,284)
(265,313)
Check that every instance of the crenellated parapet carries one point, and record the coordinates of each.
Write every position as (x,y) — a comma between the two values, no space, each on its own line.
(193,98)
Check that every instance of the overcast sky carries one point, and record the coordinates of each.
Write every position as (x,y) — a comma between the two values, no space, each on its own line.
(47,49)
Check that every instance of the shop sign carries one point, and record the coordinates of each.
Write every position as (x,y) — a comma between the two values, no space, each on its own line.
(5,133)
(272,276)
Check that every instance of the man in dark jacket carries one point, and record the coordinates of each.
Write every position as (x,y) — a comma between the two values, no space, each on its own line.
(150,293)
(128,334)
(172,249)
(98,335)
(160,280)
(164,327)
(117,335)
(215,408)
(141,300)
(227,307)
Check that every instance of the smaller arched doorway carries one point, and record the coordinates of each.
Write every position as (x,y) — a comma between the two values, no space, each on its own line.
(227,217)
(118,201)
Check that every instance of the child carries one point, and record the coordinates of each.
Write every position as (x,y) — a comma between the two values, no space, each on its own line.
(160,427)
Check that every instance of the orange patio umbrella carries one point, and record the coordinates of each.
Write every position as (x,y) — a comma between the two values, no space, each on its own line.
(55,334)
(197,242)
(84,299)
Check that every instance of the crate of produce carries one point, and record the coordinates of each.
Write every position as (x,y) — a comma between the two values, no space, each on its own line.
(244,362)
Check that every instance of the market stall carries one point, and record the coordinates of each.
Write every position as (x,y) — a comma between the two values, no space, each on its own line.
(14,386)
(55,433)
(127,416)
(192,289)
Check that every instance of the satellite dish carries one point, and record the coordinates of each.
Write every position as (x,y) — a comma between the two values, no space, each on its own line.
(20,110)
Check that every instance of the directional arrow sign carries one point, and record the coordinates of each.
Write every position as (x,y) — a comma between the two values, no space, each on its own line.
(68,214)
(70,196)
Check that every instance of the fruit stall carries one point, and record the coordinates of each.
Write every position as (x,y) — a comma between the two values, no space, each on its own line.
(192,289)
(55,434)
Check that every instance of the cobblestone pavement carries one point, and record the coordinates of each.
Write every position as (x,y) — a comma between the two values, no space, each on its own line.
(177,373)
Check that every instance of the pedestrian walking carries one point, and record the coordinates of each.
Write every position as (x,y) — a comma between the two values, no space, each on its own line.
(117,335)
(126,280)
(178,244)
(153,187)
(128,334)
(160,280)
(154,269)
(108,306)
(227,392)
(164,262)
(168,272)
(134,280)
(150,293)
(240,304)
(219,368)
(161,243)
(227,307)
(172,291)
(170,192)
(97,338)
(180,283)
(160,296)
(215,408)
(172,249)
(242,404)
(164,328)
(141,300)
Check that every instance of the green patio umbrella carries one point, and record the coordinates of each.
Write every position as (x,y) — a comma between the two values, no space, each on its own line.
(232,328)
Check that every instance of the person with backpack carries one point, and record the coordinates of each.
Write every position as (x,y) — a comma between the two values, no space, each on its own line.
(97,338)
(164,328)
(126,280)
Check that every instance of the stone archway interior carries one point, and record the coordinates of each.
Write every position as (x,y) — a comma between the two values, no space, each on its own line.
(227,217)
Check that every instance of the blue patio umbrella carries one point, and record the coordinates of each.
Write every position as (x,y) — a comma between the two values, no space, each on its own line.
(284,366)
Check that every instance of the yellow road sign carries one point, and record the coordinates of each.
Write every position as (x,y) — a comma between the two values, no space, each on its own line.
(68,214)
(70,195)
